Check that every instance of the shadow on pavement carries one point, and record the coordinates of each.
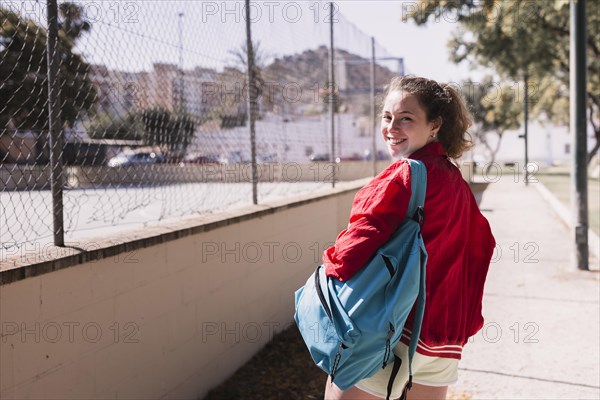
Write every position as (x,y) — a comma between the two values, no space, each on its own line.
(478,188)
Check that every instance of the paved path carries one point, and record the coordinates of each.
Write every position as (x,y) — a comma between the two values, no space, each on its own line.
(542,334)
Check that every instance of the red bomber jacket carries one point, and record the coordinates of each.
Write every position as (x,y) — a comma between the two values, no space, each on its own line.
(457,237)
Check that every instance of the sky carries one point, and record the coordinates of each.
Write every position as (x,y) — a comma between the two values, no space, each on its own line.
(424,48)
(131,35)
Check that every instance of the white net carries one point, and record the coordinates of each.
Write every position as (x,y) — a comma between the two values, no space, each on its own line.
(154,110)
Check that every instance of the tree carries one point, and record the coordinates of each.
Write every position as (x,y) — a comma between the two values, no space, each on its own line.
(240,56)
(162,128)
(494,110)
(154,127)
(107,126)
(230,107)
(72,23)
(330,96)
(260,58)
(521,38)
(23,70)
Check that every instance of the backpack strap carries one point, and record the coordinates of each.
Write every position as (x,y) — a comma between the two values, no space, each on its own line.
(418,185)
(418,178)
(414,337)
(418,181)
(395,369)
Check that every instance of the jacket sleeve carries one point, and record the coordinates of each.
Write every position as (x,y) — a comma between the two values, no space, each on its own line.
(377,211)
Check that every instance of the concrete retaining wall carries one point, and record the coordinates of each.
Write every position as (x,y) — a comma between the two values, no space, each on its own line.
(169,315)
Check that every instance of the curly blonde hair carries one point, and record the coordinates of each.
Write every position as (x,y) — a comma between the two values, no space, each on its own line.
(440,100)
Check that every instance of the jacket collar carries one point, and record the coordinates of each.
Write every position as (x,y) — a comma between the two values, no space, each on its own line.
(431,149)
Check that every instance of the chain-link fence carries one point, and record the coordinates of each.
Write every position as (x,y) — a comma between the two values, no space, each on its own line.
(150,119)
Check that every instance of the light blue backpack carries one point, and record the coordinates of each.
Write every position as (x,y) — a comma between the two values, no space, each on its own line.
(350,328)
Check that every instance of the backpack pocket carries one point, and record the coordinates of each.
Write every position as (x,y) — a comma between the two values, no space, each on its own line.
(327,331)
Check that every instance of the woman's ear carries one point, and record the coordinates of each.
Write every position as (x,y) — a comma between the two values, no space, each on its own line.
(436,124)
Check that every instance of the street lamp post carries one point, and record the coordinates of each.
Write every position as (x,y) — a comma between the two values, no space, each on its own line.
(331,88)
(181,108)
(526,134)
(578,123)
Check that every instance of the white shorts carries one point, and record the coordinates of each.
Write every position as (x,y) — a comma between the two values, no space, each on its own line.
(430,371)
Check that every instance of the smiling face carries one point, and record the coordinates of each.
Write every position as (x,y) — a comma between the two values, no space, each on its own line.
(404,125)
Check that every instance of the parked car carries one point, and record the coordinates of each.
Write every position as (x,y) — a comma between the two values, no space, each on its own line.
(319,157)
(353,157)
(238,157)
(196,158)
(266,158)
(381,156)
(124,159)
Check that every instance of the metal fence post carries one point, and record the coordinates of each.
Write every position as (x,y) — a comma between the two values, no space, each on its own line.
(331,90)
(579,187)
(373,131)
(252,96)
(526,126)
(54,124)
(180,74)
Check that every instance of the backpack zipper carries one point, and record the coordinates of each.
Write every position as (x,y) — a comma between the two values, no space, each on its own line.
(388,339)
(336,360)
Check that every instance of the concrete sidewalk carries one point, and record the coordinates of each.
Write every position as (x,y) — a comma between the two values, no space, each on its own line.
(541,339)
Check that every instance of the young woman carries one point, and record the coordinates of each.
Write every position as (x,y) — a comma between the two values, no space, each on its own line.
(426,121)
